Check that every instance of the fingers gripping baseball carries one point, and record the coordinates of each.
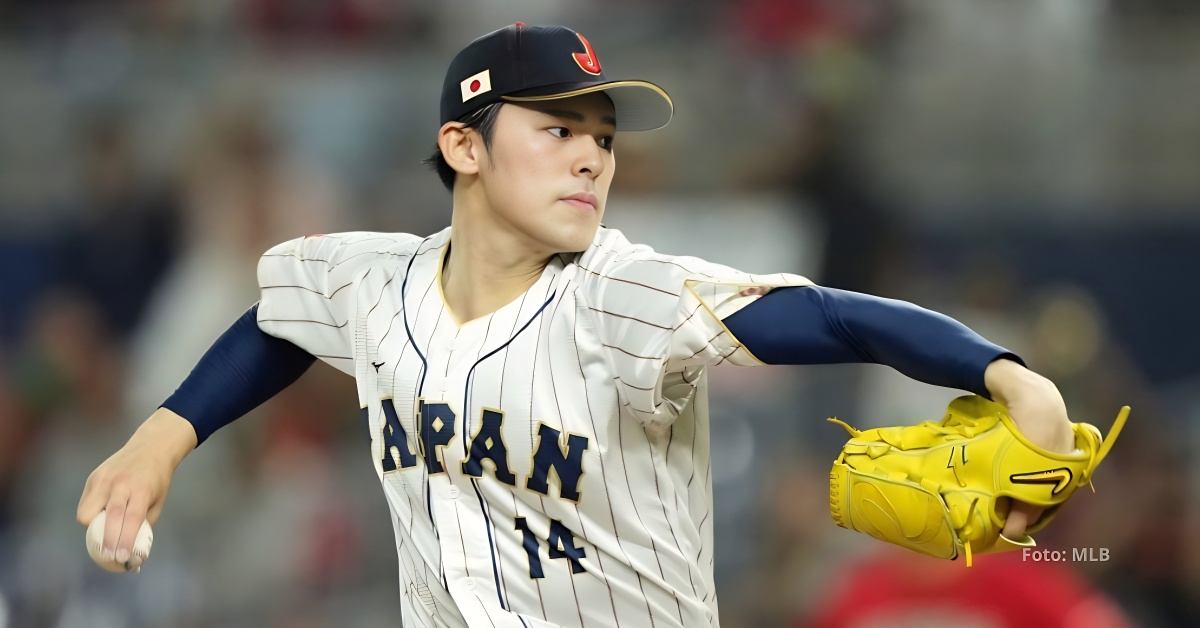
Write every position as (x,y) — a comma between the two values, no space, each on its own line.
(115,511)
(94,540)
(135,516)
(126,493)
(127,489)
(115,508)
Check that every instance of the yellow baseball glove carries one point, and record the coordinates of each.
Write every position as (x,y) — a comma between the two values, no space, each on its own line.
(937,488)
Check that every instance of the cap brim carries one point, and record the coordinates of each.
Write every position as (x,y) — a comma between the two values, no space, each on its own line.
(640,105)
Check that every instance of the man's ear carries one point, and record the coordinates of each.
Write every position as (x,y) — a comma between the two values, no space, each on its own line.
(461,147)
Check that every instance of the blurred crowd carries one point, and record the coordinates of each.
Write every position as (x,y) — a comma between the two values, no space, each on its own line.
(1031,168)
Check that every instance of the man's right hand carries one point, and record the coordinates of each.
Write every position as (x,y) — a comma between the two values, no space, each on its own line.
(131,486)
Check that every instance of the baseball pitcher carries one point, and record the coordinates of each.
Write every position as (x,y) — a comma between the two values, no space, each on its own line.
(535,384)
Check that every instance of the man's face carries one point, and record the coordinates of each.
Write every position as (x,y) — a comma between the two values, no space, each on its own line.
(543,154)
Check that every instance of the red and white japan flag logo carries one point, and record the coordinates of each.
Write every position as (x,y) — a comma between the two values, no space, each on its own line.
(475,85)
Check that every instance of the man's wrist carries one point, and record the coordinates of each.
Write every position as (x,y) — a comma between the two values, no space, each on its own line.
(1008,381)
(168,434)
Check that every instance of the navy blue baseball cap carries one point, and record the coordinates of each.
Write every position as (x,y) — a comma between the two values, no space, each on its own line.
(520,63)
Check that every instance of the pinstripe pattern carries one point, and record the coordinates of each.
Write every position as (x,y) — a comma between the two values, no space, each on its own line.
(608,349)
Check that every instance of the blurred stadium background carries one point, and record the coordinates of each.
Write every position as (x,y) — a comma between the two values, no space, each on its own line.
(1031,167)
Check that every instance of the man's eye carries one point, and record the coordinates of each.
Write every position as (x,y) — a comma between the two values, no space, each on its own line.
(606,143)
(561,131)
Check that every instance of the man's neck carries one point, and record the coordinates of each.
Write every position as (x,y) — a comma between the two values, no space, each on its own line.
(488,265)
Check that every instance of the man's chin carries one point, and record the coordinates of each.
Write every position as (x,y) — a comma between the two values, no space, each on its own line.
(576,240)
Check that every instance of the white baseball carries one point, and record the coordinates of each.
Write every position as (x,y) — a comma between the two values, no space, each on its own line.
(94,539)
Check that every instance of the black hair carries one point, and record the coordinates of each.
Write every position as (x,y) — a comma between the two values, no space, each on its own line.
(484,121)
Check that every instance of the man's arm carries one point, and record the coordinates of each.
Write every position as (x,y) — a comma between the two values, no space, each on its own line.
(242,369)
(819,325)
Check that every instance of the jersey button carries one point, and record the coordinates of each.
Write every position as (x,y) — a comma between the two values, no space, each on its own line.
(452,492)
(470,585)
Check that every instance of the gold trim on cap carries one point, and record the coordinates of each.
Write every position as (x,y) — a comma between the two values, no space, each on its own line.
(598,88)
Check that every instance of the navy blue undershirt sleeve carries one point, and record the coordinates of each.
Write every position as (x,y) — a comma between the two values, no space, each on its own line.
(819,325)
(243,368)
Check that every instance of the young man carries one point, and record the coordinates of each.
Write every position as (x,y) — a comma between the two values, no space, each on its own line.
(535,384)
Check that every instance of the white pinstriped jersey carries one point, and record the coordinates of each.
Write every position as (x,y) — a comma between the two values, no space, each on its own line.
(544,465)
